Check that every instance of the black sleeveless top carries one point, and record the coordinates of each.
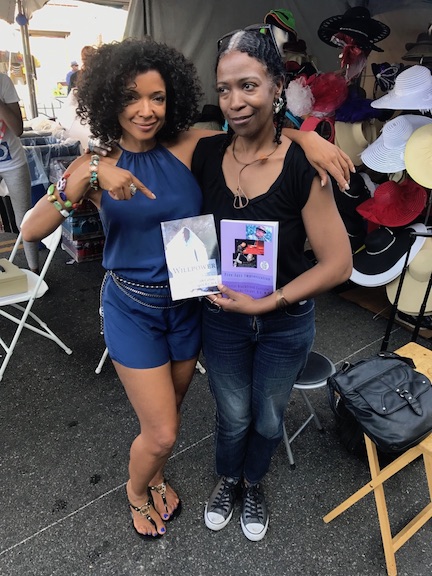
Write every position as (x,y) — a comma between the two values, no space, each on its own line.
(282,202)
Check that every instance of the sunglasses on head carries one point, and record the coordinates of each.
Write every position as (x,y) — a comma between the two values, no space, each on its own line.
(266,29)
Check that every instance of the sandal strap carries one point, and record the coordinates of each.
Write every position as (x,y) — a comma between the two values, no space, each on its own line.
(143,510)
(159,488)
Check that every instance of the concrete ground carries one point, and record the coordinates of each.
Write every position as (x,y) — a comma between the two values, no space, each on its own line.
(65,434)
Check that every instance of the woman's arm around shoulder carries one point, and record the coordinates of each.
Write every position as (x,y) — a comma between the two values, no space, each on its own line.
(184,146)
(323,156)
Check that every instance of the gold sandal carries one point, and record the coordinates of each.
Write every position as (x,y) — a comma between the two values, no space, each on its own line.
(144,510)
(161,490)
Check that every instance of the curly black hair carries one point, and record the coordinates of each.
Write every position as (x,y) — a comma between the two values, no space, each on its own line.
(261,47)
(102,93)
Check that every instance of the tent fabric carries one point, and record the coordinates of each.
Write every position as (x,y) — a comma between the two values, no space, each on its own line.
(194,30)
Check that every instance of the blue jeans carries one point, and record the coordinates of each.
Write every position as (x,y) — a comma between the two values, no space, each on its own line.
(252,364)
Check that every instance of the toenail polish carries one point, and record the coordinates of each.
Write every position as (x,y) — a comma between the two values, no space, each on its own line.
(162,530)
(166,516)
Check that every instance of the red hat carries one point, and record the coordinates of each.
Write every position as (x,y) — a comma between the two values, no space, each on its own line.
(394,204)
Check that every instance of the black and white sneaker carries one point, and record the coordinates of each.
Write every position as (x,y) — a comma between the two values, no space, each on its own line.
(254,517)
(219,509)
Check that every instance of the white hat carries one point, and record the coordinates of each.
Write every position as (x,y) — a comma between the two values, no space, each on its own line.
(386,154)
(353,138)
(412,91)
(415,283)
(418,156)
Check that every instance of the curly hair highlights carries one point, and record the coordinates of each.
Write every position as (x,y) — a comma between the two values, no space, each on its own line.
(259,46)
(102,93)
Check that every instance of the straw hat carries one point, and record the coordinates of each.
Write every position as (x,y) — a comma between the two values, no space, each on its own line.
(357,23)
(353,138)
(384,255)
(418,156)
(386,154)
(415,283)
(394,204)
(412,91)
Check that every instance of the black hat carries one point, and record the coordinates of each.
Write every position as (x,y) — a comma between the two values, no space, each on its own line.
(420,50)
(356,23)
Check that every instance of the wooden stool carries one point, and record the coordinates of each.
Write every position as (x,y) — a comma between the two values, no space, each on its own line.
(423,360)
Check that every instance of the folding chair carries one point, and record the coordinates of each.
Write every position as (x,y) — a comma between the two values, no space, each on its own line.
(21,303)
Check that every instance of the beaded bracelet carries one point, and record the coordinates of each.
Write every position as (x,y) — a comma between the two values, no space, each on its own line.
(94,163)
(53,200)
(67,208)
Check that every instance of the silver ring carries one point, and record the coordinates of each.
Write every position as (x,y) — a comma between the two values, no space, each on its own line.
(133,189)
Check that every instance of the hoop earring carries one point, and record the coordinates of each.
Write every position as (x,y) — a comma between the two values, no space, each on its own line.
(278,105)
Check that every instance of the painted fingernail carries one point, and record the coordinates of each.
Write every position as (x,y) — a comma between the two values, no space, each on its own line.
(322,183)
(347,186)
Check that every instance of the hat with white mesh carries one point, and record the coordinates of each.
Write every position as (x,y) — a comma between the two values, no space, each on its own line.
(386,153)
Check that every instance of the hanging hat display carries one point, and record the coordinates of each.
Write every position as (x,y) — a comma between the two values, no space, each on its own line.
(319,94)
(421,50)
(415,283)
(354,137)
(386,154)
(355,23)
(412,91)
(394,204)
(418,156)
(384,255)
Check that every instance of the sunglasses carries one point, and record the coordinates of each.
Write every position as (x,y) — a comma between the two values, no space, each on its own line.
(266,29)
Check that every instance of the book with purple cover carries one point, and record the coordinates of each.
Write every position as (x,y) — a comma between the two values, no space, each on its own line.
(249,256)
(192,256)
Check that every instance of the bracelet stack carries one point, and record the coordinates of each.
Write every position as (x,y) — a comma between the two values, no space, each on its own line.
(94,164)
(281,301)
(61,202)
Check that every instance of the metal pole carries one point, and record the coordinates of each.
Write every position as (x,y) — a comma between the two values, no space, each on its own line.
(28,62)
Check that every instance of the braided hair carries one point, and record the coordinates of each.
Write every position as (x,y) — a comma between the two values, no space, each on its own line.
(261,47)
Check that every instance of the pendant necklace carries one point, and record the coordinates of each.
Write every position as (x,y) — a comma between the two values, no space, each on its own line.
(240,198)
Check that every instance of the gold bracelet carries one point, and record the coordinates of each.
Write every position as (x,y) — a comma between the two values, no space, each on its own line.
(281,301)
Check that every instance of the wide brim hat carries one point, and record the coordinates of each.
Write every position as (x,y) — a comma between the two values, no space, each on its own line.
(384,255)
(386,153)
(357,23)
(420,49)
(355,137)
(412,90)
(418,156)
(394,204)
(415,283)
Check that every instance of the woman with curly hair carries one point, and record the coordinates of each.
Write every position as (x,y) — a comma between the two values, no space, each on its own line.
(140,97)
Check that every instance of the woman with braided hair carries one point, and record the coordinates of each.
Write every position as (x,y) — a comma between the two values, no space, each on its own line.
(255,349)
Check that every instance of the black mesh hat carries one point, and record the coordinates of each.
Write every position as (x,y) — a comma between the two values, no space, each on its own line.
(420,51)
(357,23)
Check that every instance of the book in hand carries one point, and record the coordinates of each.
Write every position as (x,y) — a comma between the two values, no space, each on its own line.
(249,256)
(192,256)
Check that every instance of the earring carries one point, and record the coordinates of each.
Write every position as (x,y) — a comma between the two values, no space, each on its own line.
(278,105)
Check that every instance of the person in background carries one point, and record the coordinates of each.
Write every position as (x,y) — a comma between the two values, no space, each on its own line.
(14,168)
(255,349)
(86,53)
(143,108)
(74,68)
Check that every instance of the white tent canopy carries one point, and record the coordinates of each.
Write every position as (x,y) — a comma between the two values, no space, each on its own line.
(193,26)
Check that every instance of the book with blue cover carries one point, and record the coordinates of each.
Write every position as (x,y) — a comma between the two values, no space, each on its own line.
(249,256)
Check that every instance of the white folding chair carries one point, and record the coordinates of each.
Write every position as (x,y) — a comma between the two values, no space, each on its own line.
(21,303)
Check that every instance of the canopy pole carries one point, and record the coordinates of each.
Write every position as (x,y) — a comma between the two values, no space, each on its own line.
(28,62)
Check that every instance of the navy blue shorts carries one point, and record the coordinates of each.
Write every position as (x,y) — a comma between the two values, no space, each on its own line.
(147,329)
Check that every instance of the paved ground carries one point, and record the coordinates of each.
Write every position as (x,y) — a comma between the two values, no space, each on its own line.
(65,434)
